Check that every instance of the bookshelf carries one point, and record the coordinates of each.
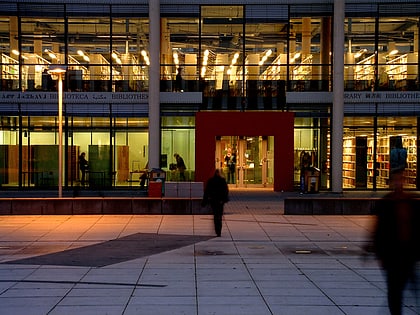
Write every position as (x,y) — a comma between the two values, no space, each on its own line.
(349,162)
(365,69)
(397,68)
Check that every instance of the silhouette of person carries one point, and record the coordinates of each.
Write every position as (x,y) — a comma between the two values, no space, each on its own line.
(178,80)
(180,166)
(231,163)
(396,240)
(144,176)
(83,166)
(216,193)
(398,157)
(47,81)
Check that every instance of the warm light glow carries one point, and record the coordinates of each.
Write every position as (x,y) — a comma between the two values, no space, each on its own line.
(80,53)
(15,52)
(360,53)
(393,52)
(50,53)
(57,70)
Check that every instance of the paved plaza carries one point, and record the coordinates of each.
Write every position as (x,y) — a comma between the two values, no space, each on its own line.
(264,263)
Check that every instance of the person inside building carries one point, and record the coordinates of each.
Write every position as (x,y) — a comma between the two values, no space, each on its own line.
(179,81)
(216,194)
(398,158)
(47,81)
(83,166)
(180,166)
(232,168)
(144,176)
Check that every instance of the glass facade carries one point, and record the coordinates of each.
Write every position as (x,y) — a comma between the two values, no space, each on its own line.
(248,57)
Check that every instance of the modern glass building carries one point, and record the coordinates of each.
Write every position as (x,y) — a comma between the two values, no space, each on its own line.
(264,81)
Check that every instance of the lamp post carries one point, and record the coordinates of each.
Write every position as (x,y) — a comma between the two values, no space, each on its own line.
(59,72)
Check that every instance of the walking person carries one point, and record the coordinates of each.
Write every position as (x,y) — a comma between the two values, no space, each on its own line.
(216,193)
(397,240)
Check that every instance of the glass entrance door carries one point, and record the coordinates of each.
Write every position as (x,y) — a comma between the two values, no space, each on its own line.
(246,161)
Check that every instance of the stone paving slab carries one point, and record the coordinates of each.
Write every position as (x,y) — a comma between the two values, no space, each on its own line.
(264,263)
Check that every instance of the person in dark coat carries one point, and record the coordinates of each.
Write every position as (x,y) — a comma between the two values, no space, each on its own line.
(396,240)
(216,193)
(180,166)
(83,166)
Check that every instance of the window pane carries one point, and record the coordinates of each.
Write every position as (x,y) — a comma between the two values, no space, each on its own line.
(130,57)
(42,46)
(89,54)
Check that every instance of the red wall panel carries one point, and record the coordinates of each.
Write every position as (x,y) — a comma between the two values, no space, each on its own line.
(280,125)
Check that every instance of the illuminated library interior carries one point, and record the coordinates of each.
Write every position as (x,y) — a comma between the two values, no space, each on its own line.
(238,58)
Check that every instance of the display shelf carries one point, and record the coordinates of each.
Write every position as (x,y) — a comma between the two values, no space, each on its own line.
(383,165)
(277,69)
(9,67)
(303,71)
(349,162)
(397,68)
(410,173)
(365,69)
(99,67)
(74,64)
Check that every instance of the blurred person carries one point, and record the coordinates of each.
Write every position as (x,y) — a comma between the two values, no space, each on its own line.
(216,193)
(396,240)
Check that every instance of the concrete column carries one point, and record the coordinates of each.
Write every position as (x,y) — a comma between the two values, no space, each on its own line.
(154,84)
(338,99)
(325,48)
(14,43)
(166,51)
(306,36)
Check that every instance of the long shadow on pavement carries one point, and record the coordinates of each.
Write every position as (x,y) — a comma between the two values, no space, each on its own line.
(114,251)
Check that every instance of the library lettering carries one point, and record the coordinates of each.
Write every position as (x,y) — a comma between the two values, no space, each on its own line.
(254,88)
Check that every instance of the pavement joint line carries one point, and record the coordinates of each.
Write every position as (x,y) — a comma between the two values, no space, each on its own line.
(281,223)
(87,282)
(266,303)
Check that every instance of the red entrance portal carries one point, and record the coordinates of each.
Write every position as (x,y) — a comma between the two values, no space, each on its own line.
(210,125)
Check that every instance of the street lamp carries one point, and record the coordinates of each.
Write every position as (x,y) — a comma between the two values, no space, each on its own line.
(59,72)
